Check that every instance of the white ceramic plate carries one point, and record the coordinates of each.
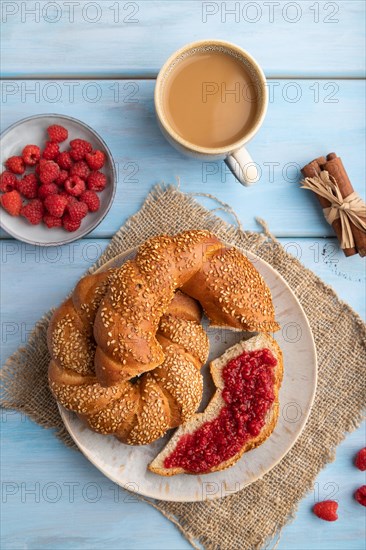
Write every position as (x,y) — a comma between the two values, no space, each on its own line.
(32,130)
(127,466)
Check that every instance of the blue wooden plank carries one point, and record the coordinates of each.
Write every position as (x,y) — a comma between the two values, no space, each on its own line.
(326,114)
(338,481)
(65,503)
(54,482)
(34,270)
(119,38)
(306,118)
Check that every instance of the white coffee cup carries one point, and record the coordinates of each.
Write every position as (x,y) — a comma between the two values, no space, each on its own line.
(235,154)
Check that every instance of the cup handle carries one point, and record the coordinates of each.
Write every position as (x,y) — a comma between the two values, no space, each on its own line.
(242,166)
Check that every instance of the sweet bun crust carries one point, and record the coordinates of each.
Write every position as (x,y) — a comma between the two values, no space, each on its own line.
(232,293)
(127,346)
(139,411)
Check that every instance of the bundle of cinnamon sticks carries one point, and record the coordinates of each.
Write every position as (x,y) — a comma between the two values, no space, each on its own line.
(337,175)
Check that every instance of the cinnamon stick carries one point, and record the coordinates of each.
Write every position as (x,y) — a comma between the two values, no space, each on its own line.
(334,166)
(313,169)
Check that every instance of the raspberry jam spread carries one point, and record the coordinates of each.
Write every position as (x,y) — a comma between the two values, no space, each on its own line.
(248,394)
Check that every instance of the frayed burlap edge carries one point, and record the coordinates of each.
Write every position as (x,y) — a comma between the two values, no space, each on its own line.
(251,518)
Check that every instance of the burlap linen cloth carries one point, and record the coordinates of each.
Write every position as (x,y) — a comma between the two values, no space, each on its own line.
(251,518)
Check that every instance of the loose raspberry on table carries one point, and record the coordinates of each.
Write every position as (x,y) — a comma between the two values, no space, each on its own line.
(360,461)
(55,205)
(11,202)
(49,171)
(91,199)
(8,181)
(77,211)
(28,186)
(80,169)
(95,159)
(360,495)
(31,154)
(16,165)
(47,189)
(51,151)
(79,148)
(33,211)
(57,133)
(327,510)
(64,160)
(69,224)
(62,177)
(74,186)
(96,181)
(52,221)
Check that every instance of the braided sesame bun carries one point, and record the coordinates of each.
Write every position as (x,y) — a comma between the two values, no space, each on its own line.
(127,346)
(139,411)
(232,292)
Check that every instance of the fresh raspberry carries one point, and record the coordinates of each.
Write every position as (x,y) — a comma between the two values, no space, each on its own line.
(57,133)
(42,163)
(55,205)
(95,160)
(64,160)
(91,200)
(28,186)
(360,461)
(51,151)
(70,198)
(52,221)
(15,165)
(68,224)
(40,166)
(80,169)
(74,186)
(327,510)
(96,181)
(8,181)
(31,154)
(33,211)
(77,211)
(62,177)
(47,189)
(64,193)
(79,148)
(360,495)
(12,202)
(49,171)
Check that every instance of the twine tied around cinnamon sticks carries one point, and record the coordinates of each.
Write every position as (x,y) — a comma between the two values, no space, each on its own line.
(343,208)
(349,209)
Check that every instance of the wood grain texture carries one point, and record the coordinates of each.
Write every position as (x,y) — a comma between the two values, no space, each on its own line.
(312,112)
(53,492)
(119,38)
(34,270)
(59,474)
(326,116)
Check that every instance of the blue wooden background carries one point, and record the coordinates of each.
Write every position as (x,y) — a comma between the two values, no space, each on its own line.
(97,61)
